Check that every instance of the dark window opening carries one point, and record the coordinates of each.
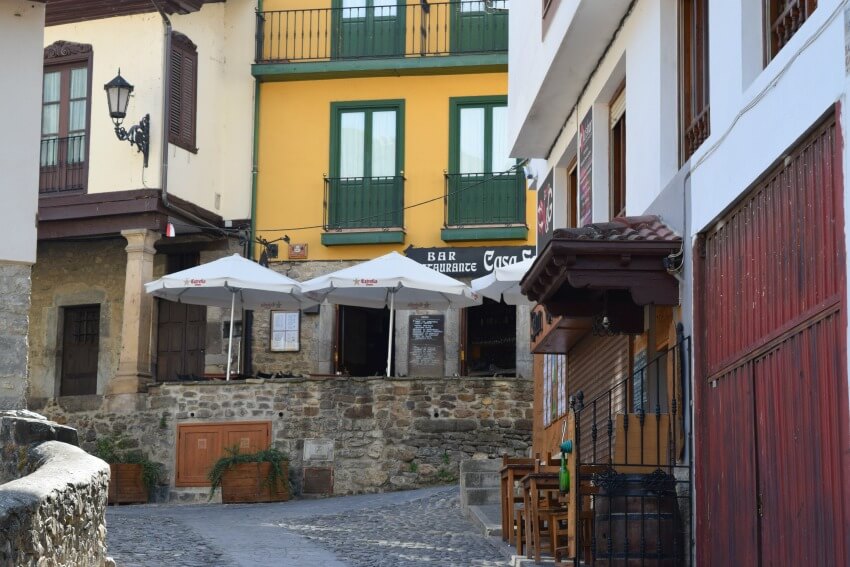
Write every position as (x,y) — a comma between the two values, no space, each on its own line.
(181,330)
(490,345)
(363,341)
(618,167)
(80,346)
(784,18)
(572,195)
(693,37)
(183,92)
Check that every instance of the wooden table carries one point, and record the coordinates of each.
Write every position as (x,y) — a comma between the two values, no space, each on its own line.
(533,484)
(511,473)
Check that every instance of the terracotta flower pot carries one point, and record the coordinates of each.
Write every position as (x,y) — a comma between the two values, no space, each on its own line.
(249,482)
(126,485)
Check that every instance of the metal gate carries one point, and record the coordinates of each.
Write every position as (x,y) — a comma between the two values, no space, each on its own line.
(771,380)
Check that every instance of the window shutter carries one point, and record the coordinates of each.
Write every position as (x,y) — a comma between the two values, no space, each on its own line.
(183,92)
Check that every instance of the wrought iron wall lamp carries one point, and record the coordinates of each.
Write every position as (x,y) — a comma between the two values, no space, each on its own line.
(118,96)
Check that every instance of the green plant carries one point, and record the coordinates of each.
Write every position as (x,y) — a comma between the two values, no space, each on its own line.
(234,457)
(414,468)
(445,457)
(444,475)
(162,424)
(115,450)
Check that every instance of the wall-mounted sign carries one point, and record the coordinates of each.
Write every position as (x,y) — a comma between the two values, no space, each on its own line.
(585,169)
(318,449)
(470,262)
(297,251)
(426,345)
(545,212)
(285,331)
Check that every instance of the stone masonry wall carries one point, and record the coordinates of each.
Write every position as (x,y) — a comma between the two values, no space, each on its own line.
(14,308)
(53,501)
(387,434)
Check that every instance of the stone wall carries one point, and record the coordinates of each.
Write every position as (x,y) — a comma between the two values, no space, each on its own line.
(53,503)
(14,308)
(386,434)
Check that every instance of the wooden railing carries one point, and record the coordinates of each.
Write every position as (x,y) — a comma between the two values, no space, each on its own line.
(484,199)
(786,17)
(364,202)
(697,131)
(63,165)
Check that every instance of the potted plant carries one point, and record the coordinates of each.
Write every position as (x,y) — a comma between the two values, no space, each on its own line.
(251,477)
(132,475)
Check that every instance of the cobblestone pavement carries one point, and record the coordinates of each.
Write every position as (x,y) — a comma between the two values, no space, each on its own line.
(418,527)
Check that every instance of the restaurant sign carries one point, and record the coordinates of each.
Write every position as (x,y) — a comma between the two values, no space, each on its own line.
(469,262)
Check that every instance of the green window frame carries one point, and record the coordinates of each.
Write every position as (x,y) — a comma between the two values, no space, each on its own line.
(365,201)
(493,195)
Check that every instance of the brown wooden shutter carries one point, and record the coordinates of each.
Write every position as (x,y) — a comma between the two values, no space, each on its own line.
(183,92)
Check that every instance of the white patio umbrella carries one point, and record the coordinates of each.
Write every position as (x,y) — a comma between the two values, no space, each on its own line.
(393,281)
(221,282)
(503,283)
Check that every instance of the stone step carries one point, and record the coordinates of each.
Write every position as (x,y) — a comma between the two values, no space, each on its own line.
(487,518)
(480,480)
(479,496)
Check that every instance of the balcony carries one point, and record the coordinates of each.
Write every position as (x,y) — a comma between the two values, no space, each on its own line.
(415,36)
(363,210)
(482,206)
(63,166)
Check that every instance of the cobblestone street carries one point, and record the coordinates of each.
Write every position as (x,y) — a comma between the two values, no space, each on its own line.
(419,527)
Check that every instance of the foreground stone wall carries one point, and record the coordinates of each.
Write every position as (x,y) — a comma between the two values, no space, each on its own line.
(53,501)
(14,307)
(386,434)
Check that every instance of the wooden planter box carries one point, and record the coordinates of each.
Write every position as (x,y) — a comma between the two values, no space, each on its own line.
(126,485)
(248,482)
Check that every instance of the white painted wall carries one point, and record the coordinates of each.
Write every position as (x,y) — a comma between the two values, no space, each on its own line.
(21,32)
(224,35)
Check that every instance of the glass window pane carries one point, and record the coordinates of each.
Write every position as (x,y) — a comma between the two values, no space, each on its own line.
(386,9)
(79,83)
(383,143)
(76,149)
(51,87)
(77,116)
(473,6)
(352,136)
(50,119)
(48,151)
(353,9)
(471,140)
(501,161)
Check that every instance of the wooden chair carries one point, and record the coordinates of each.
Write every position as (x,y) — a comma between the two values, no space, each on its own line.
(540,489)
(513,469)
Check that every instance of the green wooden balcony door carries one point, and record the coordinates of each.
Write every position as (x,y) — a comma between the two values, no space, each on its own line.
(479,27)
(368,28)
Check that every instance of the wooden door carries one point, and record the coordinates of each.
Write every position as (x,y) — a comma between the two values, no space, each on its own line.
(772,480)
(181,340)
(477,28)
(80,340)
(200,445)
(368,28)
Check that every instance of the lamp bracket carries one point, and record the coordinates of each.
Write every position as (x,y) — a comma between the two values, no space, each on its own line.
(138,135)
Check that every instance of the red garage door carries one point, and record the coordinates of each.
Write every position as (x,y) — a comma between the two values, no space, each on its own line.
(771,385)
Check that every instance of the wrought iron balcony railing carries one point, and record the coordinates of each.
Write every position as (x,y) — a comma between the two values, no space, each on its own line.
(395,30)
(364,202)
(484,199)
(63,166)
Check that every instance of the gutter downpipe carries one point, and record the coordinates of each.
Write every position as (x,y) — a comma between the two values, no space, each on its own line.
(166,125)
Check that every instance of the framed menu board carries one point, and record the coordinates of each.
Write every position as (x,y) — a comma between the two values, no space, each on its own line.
(285,331)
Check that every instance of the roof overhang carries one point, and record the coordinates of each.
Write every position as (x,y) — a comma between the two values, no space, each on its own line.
(68,11)
(585,40)
(613,268)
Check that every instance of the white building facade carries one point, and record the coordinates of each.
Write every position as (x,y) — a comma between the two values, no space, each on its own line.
(735,134)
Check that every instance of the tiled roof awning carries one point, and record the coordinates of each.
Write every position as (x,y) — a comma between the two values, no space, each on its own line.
(584,271)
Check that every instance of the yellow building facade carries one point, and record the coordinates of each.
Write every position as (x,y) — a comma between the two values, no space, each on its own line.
(383,128)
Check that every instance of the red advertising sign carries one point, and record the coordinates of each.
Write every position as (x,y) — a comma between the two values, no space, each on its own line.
(585,169)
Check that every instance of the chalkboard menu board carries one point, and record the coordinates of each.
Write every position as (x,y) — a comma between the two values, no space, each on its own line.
(585,166)
(426,347)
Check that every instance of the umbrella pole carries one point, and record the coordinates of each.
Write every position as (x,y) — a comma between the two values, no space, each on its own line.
(390,347)
(230,339)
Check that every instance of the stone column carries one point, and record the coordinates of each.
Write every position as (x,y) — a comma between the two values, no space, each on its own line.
(14,322)
(134,365)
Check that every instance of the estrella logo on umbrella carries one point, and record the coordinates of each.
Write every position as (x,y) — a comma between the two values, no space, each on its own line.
(366,282)
(195,282)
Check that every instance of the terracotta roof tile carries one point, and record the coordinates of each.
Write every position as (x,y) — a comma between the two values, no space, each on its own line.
(642,228)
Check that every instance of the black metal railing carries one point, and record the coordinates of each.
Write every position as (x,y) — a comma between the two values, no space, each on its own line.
(484,198)
(364,202)
(634,466)
(392,30)
(63,165)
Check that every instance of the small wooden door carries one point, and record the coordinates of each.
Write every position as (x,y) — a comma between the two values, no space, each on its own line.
(200,445)
(80,338)
(181,340)
(368,28)
(477,28)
